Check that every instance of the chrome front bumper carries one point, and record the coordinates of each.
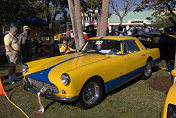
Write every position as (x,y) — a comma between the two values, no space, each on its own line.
(47,94)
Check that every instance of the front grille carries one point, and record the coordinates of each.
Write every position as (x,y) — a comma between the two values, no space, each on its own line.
(39,84)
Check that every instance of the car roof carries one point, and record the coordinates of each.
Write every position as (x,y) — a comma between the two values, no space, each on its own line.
(114,38)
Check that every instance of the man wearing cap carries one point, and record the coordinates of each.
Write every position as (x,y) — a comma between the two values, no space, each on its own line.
(12,50)
(26,44)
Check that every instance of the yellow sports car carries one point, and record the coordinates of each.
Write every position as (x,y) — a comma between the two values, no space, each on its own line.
(169,110)
(102,64)
(61,37)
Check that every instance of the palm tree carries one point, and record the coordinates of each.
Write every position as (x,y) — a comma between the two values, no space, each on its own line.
(75,13)
(79,23)
(73,20)
(104,17)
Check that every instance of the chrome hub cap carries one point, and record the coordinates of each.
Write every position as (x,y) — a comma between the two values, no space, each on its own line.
(91,93)
(148,69)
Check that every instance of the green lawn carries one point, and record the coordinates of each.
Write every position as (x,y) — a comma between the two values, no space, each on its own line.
(136,99)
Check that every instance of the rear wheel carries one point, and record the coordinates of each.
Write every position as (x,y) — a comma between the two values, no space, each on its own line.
(91,94)
(147,71)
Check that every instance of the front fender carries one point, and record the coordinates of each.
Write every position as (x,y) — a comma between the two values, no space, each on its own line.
(170,99)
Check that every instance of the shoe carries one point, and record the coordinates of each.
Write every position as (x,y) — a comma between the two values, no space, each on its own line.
(10,83)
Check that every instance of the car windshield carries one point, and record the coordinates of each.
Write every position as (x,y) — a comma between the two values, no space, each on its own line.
(103,47)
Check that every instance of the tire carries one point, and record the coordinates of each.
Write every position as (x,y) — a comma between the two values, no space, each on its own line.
(147,73)
(91,94)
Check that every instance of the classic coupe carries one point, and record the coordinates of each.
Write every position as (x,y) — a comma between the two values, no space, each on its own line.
(102,64)
(169,110)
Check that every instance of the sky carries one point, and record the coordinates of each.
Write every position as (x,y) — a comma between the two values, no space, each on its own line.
(119,3)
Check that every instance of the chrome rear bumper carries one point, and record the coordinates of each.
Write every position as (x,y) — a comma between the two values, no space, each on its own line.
(47,94)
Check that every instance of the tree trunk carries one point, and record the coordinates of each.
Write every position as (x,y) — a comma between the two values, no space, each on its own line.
(170,10)
(121,20)
(98,24)
(73,20)
(83,19)
(172,21)
(51,40)
(1,34)
(104,16)
(79,23)
(93,16)
(51,16)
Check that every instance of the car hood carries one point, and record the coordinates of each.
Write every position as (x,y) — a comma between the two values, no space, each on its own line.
(62,64)
(68,62)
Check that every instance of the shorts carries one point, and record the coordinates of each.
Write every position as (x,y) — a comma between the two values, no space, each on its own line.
(12,58)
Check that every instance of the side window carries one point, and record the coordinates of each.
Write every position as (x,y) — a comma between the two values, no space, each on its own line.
(130,47)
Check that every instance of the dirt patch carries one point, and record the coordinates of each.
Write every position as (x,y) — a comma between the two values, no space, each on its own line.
(162,83)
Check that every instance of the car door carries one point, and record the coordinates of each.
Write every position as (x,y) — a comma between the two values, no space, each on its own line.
(134,59)
(114,66)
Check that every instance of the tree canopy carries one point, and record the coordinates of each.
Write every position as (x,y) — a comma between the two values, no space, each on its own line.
(13,10)
(160,6)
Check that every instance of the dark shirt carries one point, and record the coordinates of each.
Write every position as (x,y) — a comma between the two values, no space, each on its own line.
(25,40)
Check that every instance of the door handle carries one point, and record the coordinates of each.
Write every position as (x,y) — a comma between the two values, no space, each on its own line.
(143,54)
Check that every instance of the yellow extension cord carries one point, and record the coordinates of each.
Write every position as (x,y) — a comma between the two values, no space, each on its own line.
(12,102)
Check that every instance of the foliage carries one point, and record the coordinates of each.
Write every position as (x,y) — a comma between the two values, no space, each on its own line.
(13,10)
(50,8)
(161,22)
(159,6)
(94,4)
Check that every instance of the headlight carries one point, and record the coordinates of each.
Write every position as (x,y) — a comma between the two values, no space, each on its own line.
(65,79)
(24,68)
(171,111)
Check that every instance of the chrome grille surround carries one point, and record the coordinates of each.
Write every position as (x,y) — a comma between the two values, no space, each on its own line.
(39,84)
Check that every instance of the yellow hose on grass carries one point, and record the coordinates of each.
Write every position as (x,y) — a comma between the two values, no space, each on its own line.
(12,102)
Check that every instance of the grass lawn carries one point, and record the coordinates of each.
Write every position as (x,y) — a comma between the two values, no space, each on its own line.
(136,99)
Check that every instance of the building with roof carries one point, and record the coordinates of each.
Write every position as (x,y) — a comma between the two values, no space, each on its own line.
(90,18)
(131,19)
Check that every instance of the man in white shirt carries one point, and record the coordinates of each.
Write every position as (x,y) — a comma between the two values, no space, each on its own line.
(12,51)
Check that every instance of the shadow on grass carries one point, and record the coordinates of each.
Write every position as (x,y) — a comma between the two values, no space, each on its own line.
(18,74)
(156,68)
(120,88)
(17,85)
(51,103)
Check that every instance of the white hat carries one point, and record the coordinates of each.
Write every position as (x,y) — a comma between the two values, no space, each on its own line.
(26,28)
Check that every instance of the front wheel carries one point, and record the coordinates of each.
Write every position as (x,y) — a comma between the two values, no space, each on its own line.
(147,71)
(91,94)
